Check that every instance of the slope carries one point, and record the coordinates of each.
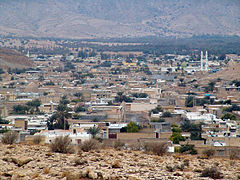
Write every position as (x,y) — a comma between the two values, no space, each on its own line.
(122,18)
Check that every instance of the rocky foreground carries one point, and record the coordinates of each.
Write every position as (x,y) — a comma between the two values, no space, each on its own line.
(37,162)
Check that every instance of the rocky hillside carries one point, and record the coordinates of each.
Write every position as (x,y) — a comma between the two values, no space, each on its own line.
(108,18)
(37,162)
(228,73)
(13,59)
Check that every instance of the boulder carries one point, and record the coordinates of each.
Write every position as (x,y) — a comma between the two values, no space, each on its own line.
(20,161)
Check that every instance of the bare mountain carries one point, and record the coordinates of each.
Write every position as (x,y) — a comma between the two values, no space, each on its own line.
(13,59)
(118,18)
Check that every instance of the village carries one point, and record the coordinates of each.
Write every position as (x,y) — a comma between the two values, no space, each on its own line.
(182,100)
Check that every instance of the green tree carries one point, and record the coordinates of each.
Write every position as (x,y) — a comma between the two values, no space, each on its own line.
(34,106)
(78,94)
(176,130)
(166,114)
(79,109)
(132,127)
(94,131)
(120,98)
(229,116)
(1,71)
(59,119)
(2,121)
(21,109)
(189,101)
(176,137)
(187,148)
(41,78)
(156,110)
(140,95)
(194,129)
(210,87)
(181,80)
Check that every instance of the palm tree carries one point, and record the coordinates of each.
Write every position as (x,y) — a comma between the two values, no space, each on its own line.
(93,131)
(58,119)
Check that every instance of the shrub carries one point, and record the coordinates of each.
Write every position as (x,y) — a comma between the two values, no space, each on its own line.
(166,114)
(93,131)
(209,152)
(62,144)
(176,149)
(132,127)
(189,149)
(9,137)
(118,145)
(176,137)
(212,172)
(186,162)
(37,139)
(46,170)
(89,145)
(229,116)
(156,148)
(136,146)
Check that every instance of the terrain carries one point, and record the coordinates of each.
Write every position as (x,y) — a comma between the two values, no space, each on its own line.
(13,59)
(228,73)
(123,18)
(37,162)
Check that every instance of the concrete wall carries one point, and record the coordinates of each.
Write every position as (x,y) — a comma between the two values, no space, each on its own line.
(142,107)
(135,136)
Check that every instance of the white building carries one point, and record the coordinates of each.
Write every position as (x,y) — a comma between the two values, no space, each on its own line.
(76,138)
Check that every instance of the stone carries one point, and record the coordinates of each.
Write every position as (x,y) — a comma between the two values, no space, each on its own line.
(116,164)
(80,161)
(92,174)
(20,161)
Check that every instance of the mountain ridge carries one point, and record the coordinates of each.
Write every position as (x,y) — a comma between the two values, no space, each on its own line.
(123,18)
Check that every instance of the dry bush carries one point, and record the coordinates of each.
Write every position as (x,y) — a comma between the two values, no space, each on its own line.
(62,144)
(35,175)
(89,145)
(9,137)
(46,170)
(136,146)
(106,145)
(186,162)
(37,139)
(209,153)
(158,148)
(118,145)
(212,172)
(65,174)
(233,154)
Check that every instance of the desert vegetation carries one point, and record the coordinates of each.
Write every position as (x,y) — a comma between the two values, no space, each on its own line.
(62,144)
(9,137)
